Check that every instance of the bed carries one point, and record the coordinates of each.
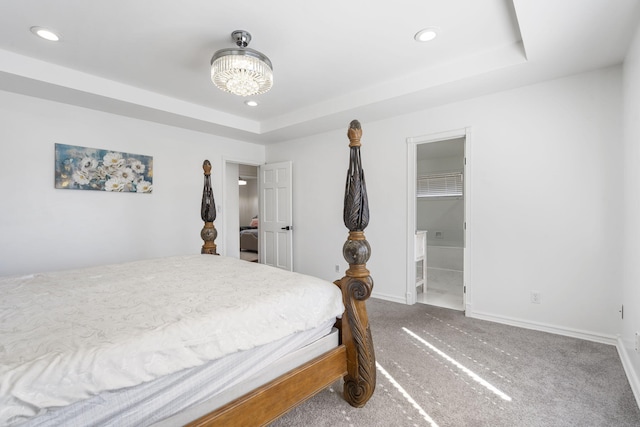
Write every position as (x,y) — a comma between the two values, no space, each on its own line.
(189,340)
(249,239)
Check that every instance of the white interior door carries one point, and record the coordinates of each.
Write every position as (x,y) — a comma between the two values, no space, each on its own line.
(276,228)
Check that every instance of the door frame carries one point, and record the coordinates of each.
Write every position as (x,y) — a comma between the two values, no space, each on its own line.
(412,148)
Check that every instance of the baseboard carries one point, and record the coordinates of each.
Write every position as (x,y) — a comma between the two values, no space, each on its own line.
(543,327)
(385,297)
(632,375)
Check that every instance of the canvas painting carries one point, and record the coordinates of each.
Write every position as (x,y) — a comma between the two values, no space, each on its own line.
(83,168)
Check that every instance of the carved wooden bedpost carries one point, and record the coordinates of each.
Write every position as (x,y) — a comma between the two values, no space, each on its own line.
(357,284)
(208,213)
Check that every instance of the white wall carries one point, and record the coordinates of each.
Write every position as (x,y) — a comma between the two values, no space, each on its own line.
(319,171)
(553,226)
(441,215)
(248,201)
(232,222)
(631,236)
(42,228)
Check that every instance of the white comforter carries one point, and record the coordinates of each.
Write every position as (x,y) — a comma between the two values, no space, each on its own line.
(69,335)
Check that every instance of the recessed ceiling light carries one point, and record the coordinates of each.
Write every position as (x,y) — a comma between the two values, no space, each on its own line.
(426,34)
(251,103)
(45,34)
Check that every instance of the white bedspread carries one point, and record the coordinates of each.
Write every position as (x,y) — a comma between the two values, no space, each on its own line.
(69,335)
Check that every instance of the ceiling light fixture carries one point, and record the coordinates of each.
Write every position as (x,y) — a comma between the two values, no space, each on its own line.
(251,103)
(426,34)
(45,34)
(241,71)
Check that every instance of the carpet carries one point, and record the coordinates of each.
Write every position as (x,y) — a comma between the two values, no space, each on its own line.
(437,367)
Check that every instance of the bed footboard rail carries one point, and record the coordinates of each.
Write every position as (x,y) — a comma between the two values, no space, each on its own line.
(357,284)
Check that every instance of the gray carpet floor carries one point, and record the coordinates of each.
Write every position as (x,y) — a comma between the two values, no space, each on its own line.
(438,367)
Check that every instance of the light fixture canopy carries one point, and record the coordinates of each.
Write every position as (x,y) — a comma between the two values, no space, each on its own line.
(241,71)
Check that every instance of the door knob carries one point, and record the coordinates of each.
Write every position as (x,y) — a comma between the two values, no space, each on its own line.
(286,228)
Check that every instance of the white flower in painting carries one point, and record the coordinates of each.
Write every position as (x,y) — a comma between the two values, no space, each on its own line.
(88,163)
(101,172)
(114,184)
(144,187)
(125,174)
(137,166)
(113,161)
(81,176)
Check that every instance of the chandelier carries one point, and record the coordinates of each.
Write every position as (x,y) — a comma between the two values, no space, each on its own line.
(241,71)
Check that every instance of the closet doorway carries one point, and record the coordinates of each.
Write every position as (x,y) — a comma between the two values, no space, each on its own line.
(437,231)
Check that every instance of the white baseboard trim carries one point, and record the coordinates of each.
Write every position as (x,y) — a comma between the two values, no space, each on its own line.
(536,326)
(411,298)
(386,297)
(632,375)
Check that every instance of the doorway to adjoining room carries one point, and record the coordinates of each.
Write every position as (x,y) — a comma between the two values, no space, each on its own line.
(248,211)
(440,213)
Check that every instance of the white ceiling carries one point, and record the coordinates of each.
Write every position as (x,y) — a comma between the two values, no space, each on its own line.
(334,60)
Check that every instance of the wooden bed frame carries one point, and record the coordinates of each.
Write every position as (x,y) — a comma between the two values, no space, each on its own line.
(354,358)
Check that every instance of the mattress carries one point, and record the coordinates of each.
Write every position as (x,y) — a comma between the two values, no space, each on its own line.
(251,231)
(186,395)
(69,336)
(249,240)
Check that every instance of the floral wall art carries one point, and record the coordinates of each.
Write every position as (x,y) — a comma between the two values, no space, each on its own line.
(83,168)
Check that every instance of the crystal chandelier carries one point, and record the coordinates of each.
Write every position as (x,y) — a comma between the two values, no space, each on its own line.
(241,71)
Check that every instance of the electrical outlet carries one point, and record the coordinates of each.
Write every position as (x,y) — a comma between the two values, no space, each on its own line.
(337,268)
(535,297)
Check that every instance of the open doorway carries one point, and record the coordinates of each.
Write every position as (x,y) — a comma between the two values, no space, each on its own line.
(261,194)
(440,220)
(248,212)
(239,204)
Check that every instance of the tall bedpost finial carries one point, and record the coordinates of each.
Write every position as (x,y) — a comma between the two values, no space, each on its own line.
(354,133)
(208,213)
(357,284)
